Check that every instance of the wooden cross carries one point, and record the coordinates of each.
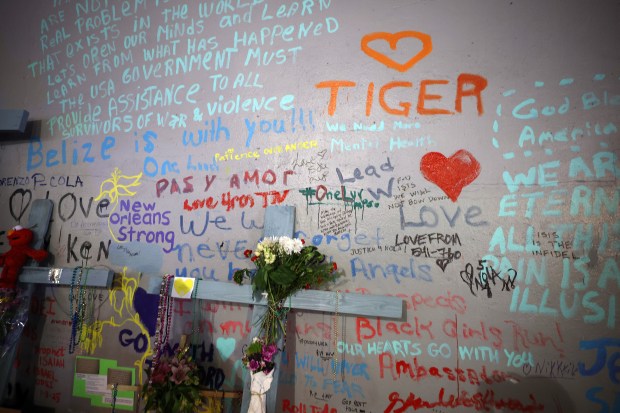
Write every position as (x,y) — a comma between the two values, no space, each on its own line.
(38,221)
(280,221)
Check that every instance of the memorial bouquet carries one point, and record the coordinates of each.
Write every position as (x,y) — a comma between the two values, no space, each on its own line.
(258,358)
(284,266)
(173,385)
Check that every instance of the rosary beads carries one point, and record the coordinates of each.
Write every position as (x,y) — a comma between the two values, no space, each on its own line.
(74,314)
(335,331)
(193,341)
(164,315)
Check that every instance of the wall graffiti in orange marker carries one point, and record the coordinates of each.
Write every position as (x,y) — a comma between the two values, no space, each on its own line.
(392,39)
(428,99)
(450,174)
(466,85)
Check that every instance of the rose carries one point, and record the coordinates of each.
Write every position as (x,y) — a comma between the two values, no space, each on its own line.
(158,377)
(254,365)
(160,372)
(269,350)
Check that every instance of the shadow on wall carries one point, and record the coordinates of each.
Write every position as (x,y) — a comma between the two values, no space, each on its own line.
(547,392)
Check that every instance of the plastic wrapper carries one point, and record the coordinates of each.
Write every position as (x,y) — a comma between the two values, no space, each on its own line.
(14,306)
(259,386)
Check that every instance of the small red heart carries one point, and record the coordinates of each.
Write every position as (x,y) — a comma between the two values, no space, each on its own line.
(450,174)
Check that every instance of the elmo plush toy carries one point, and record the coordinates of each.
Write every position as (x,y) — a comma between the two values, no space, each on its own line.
(14,259)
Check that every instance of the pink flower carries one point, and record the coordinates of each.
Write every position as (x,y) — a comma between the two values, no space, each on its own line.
(254,365)
(269,351)
(179,374)
(160,372)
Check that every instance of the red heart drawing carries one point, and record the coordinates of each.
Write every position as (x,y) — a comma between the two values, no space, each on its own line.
(392,39)
(450,174)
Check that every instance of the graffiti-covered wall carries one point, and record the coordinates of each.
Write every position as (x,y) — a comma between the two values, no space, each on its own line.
(460,155)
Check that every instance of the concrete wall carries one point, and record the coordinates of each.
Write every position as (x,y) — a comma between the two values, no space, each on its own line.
(461,155)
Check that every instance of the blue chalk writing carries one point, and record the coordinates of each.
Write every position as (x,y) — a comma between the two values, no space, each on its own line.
(371,271)
(601,345)
(69,153)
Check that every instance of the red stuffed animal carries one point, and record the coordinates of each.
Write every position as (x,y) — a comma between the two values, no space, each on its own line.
(14,259)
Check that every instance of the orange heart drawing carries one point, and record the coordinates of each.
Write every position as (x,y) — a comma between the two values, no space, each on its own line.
(392,39)
(450,174)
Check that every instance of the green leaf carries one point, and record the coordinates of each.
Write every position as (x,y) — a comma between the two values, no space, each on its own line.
(283,275)
(254,347)
(259,280)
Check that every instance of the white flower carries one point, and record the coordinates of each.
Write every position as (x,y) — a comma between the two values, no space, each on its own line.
(286,244)
(290,245)
(297,245)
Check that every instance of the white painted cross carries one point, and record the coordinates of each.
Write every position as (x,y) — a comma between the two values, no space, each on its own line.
(280,221)
(38,221)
